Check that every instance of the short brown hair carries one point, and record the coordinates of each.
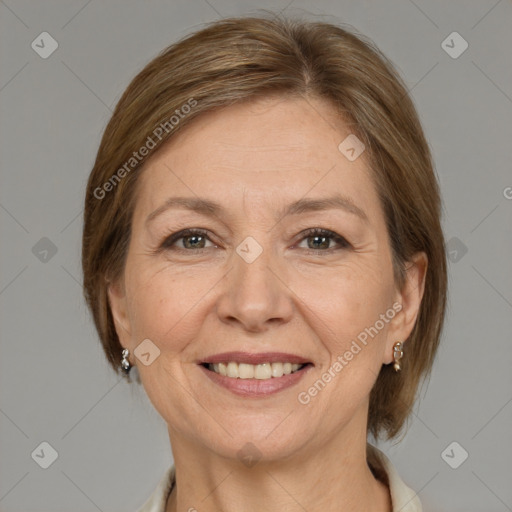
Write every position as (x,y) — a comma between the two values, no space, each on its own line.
(239,59)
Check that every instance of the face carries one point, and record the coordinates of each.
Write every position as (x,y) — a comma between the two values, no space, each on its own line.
(254,278)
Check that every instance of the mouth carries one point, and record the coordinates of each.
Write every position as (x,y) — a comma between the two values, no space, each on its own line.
(263,371)
(262,366)
(257,381)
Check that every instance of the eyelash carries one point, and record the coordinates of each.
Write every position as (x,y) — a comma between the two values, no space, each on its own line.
(168,243)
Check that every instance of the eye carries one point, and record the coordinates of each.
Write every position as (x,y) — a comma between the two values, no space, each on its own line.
(193,240)
(321,240)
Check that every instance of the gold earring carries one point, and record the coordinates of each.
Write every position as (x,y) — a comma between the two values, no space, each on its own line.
(397,355)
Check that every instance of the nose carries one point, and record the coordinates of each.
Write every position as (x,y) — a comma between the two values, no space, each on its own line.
(255,294)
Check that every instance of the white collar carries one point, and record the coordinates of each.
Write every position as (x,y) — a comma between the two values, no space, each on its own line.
(403,498)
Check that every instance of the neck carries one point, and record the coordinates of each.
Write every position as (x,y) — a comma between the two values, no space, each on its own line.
(319,479)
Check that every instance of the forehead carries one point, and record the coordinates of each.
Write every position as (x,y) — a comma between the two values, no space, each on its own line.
(266,154)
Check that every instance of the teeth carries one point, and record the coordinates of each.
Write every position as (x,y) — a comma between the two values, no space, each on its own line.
(254,371)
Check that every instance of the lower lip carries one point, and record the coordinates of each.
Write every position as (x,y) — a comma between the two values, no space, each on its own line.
(256,387)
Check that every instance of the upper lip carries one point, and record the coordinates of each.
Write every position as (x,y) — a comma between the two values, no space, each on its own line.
(260,358)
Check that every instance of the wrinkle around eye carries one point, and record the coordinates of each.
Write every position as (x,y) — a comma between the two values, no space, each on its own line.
(221,235)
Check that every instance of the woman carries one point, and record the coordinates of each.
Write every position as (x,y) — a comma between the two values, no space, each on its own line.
(262,241)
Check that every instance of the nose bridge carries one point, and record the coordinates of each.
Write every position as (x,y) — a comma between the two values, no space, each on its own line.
(254,294)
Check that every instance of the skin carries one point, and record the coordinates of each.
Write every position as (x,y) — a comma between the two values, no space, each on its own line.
(254,158)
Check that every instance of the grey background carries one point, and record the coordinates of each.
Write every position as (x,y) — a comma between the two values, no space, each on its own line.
(55,385)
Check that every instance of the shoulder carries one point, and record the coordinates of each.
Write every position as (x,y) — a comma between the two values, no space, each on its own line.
(157,500)
(403,498)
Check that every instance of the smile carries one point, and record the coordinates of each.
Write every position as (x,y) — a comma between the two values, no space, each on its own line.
(255,381)
(261,371)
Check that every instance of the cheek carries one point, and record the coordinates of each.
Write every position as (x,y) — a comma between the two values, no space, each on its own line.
(158,303)
(354,343)
(168,306)
(351,316)
(349,297)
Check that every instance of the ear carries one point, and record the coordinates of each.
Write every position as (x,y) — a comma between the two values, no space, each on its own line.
(409,298)
(118,306)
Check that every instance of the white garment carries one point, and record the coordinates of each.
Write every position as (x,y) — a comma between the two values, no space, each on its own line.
(403,498)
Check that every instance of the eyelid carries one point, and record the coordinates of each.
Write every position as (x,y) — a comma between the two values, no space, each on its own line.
(170,240)
(342,241)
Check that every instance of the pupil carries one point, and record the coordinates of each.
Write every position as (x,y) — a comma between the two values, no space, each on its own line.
(323,238)
(193,237)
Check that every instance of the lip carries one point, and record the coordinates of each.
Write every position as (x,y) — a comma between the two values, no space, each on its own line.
(256,388)
(260,358)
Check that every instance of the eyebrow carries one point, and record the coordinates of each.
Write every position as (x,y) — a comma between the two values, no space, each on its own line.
(212,209)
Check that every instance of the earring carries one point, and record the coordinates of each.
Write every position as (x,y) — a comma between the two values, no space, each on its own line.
(397,355)
(124,362)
